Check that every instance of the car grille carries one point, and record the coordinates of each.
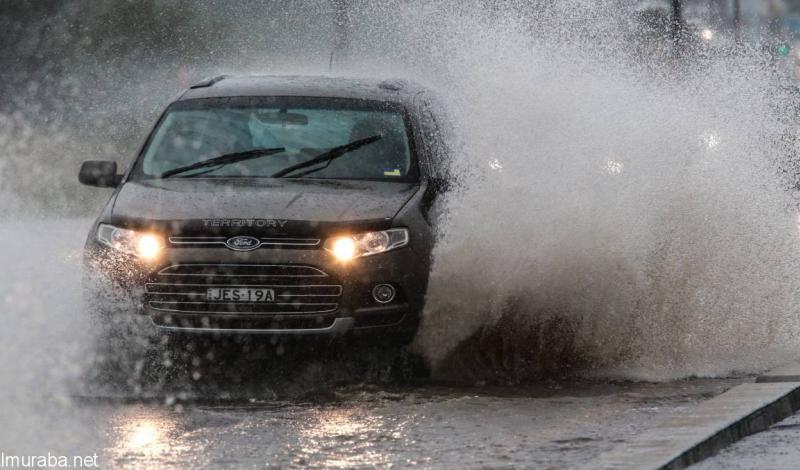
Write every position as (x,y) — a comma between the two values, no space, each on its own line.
(303,294)
(219,242)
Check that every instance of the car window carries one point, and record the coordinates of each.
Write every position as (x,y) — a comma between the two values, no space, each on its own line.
(188,136)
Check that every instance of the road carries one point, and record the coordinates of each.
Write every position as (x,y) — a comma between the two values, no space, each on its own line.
(366,425)
(775,448)
(305,410)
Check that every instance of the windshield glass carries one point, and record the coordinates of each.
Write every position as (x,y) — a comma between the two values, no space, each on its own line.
(196,131)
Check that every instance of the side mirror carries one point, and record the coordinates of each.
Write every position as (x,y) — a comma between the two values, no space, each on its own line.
(100,173)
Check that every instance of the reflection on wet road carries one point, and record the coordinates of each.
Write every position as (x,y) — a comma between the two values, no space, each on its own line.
(366,426)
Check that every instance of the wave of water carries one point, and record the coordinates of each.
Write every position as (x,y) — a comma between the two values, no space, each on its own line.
(620,211)
(623,217)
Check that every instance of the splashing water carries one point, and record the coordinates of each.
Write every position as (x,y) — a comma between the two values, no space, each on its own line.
(624,218)
(619,209)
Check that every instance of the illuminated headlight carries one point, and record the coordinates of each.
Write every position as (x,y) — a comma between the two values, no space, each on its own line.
(346,247)
(144,245)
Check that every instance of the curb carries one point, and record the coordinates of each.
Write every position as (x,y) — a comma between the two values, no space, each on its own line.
(787,373)
(701,430)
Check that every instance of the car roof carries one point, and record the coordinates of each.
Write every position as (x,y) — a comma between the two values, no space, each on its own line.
(392,90)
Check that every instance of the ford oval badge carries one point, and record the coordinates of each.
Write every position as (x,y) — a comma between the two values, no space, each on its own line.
(243,243)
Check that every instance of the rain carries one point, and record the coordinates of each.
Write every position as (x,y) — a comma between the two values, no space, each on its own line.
(610,235)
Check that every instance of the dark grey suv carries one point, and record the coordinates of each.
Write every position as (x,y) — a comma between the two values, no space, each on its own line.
(275,206)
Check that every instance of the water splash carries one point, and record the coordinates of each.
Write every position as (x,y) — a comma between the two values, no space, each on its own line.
(631,222)
(622,209)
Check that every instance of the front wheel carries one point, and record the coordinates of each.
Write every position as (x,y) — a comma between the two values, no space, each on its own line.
(127,349)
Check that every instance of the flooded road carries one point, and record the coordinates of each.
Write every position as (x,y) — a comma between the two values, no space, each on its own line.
(553,426)
(775,448)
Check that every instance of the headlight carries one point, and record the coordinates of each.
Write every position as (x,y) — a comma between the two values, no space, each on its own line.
(346,247)
(144,245)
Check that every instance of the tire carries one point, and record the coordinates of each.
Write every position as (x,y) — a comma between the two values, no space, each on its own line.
(127,349)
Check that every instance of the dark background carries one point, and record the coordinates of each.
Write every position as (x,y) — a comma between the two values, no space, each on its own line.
(86,79)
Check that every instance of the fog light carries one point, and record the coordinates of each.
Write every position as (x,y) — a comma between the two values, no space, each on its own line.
(383,293)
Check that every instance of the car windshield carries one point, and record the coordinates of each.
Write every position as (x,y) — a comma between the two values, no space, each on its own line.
(290,132)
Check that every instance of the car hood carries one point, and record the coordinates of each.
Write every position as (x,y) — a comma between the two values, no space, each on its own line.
(198,201)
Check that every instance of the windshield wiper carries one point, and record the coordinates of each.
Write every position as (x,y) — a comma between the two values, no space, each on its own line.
(328,156)
(223,160)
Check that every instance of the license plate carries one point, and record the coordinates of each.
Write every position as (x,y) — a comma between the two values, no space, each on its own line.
(240,294)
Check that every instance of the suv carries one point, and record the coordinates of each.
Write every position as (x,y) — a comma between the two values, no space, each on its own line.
(273,206)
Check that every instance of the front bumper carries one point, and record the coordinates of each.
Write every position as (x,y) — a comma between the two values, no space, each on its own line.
(339,326)
(335,301)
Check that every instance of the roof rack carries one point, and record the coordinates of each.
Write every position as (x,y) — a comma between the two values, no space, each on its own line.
(209,81)
(393,85)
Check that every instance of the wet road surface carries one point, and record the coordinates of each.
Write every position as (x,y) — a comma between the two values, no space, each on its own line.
(776,448)
(553,426)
